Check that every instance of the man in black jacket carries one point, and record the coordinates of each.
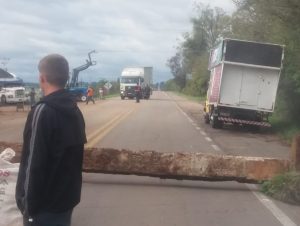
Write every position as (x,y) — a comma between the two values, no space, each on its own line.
(49,180)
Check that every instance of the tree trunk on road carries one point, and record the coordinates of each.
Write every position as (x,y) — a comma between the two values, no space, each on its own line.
(181,166)
(189,166)
(296,152)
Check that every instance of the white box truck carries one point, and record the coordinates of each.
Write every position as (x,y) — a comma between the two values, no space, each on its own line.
(133,76)
(243,83)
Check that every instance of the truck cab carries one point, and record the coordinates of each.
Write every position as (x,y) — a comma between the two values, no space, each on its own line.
(131,77)
(12,89)
(128,85)
(12,94)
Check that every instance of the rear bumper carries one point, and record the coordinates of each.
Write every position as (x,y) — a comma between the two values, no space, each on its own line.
(244,122)
(127,94)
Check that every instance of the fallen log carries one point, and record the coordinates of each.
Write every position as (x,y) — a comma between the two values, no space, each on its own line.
(295,153)
(181,166)
(184,166)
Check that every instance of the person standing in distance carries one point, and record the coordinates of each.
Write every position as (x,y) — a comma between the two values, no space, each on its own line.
(90,95)
(49,180)
(32,97)
(101,94)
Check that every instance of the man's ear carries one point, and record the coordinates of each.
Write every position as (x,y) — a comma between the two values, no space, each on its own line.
(42,78)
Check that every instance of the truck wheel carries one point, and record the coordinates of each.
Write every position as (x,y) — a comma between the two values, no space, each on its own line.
(206,118)
(83,98)
(122,97)
(215,123)
(3,100)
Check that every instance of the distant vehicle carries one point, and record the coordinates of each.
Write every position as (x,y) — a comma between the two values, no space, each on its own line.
(131,77)
(79,92)
(243,83)
(12,89)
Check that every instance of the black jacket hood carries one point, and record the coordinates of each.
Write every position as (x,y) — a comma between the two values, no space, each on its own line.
(61,100)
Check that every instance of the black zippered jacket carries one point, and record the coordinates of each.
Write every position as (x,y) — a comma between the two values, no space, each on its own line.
(50,170)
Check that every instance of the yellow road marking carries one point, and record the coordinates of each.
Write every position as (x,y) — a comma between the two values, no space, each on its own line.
(95,133)
(99,134)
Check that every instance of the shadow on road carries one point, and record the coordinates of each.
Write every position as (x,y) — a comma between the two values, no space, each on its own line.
(181,184)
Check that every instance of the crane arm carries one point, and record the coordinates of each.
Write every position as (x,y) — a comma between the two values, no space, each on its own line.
(75,74)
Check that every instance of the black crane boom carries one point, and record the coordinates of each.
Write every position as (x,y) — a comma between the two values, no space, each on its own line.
(75,73)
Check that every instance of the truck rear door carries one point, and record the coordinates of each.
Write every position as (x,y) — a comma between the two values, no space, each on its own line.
(267,89)
(249,87)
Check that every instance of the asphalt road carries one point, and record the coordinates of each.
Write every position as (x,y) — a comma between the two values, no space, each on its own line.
(167,123)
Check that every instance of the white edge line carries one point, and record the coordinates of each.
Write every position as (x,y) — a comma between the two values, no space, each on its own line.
(203,133)
(216,147)
(185,114)
(208,139)
(270,205)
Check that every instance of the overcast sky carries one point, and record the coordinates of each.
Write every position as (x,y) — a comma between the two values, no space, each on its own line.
(123,32)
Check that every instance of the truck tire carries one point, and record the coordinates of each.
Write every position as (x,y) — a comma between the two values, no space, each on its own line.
(216,123)
(83,98)
(206,118)
(122,97)
(3,100)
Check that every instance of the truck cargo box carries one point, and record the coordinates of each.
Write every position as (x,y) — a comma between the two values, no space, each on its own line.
(245,75)
(243,82)
(244,87)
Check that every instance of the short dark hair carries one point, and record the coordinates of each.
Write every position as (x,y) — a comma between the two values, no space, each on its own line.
(56,69)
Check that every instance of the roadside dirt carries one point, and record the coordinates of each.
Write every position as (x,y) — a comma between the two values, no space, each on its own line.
(236,140)
(12,123)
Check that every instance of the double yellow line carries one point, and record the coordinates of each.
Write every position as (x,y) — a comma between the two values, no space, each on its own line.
(99,134)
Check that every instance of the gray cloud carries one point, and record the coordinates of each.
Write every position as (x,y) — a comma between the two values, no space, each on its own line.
(125,33)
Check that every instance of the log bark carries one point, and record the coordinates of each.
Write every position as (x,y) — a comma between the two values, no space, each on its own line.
(181,166)
(184,166)
(295,158)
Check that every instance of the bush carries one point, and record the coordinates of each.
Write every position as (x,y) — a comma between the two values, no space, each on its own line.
(285,187)
(171,85)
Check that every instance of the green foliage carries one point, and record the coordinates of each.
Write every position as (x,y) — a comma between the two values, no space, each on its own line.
(286,129)
(177,69)
(200,77)
(285,187)
(171,85)
(115,89)
(209,26)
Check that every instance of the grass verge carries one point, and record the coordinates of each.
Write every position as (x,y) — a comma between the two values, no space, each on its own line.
(285,187)
(286,130)
(112,95)
(192,98)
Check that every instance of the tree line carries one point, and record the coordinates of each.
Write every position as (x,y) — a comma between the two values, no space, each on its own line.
(273,21)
